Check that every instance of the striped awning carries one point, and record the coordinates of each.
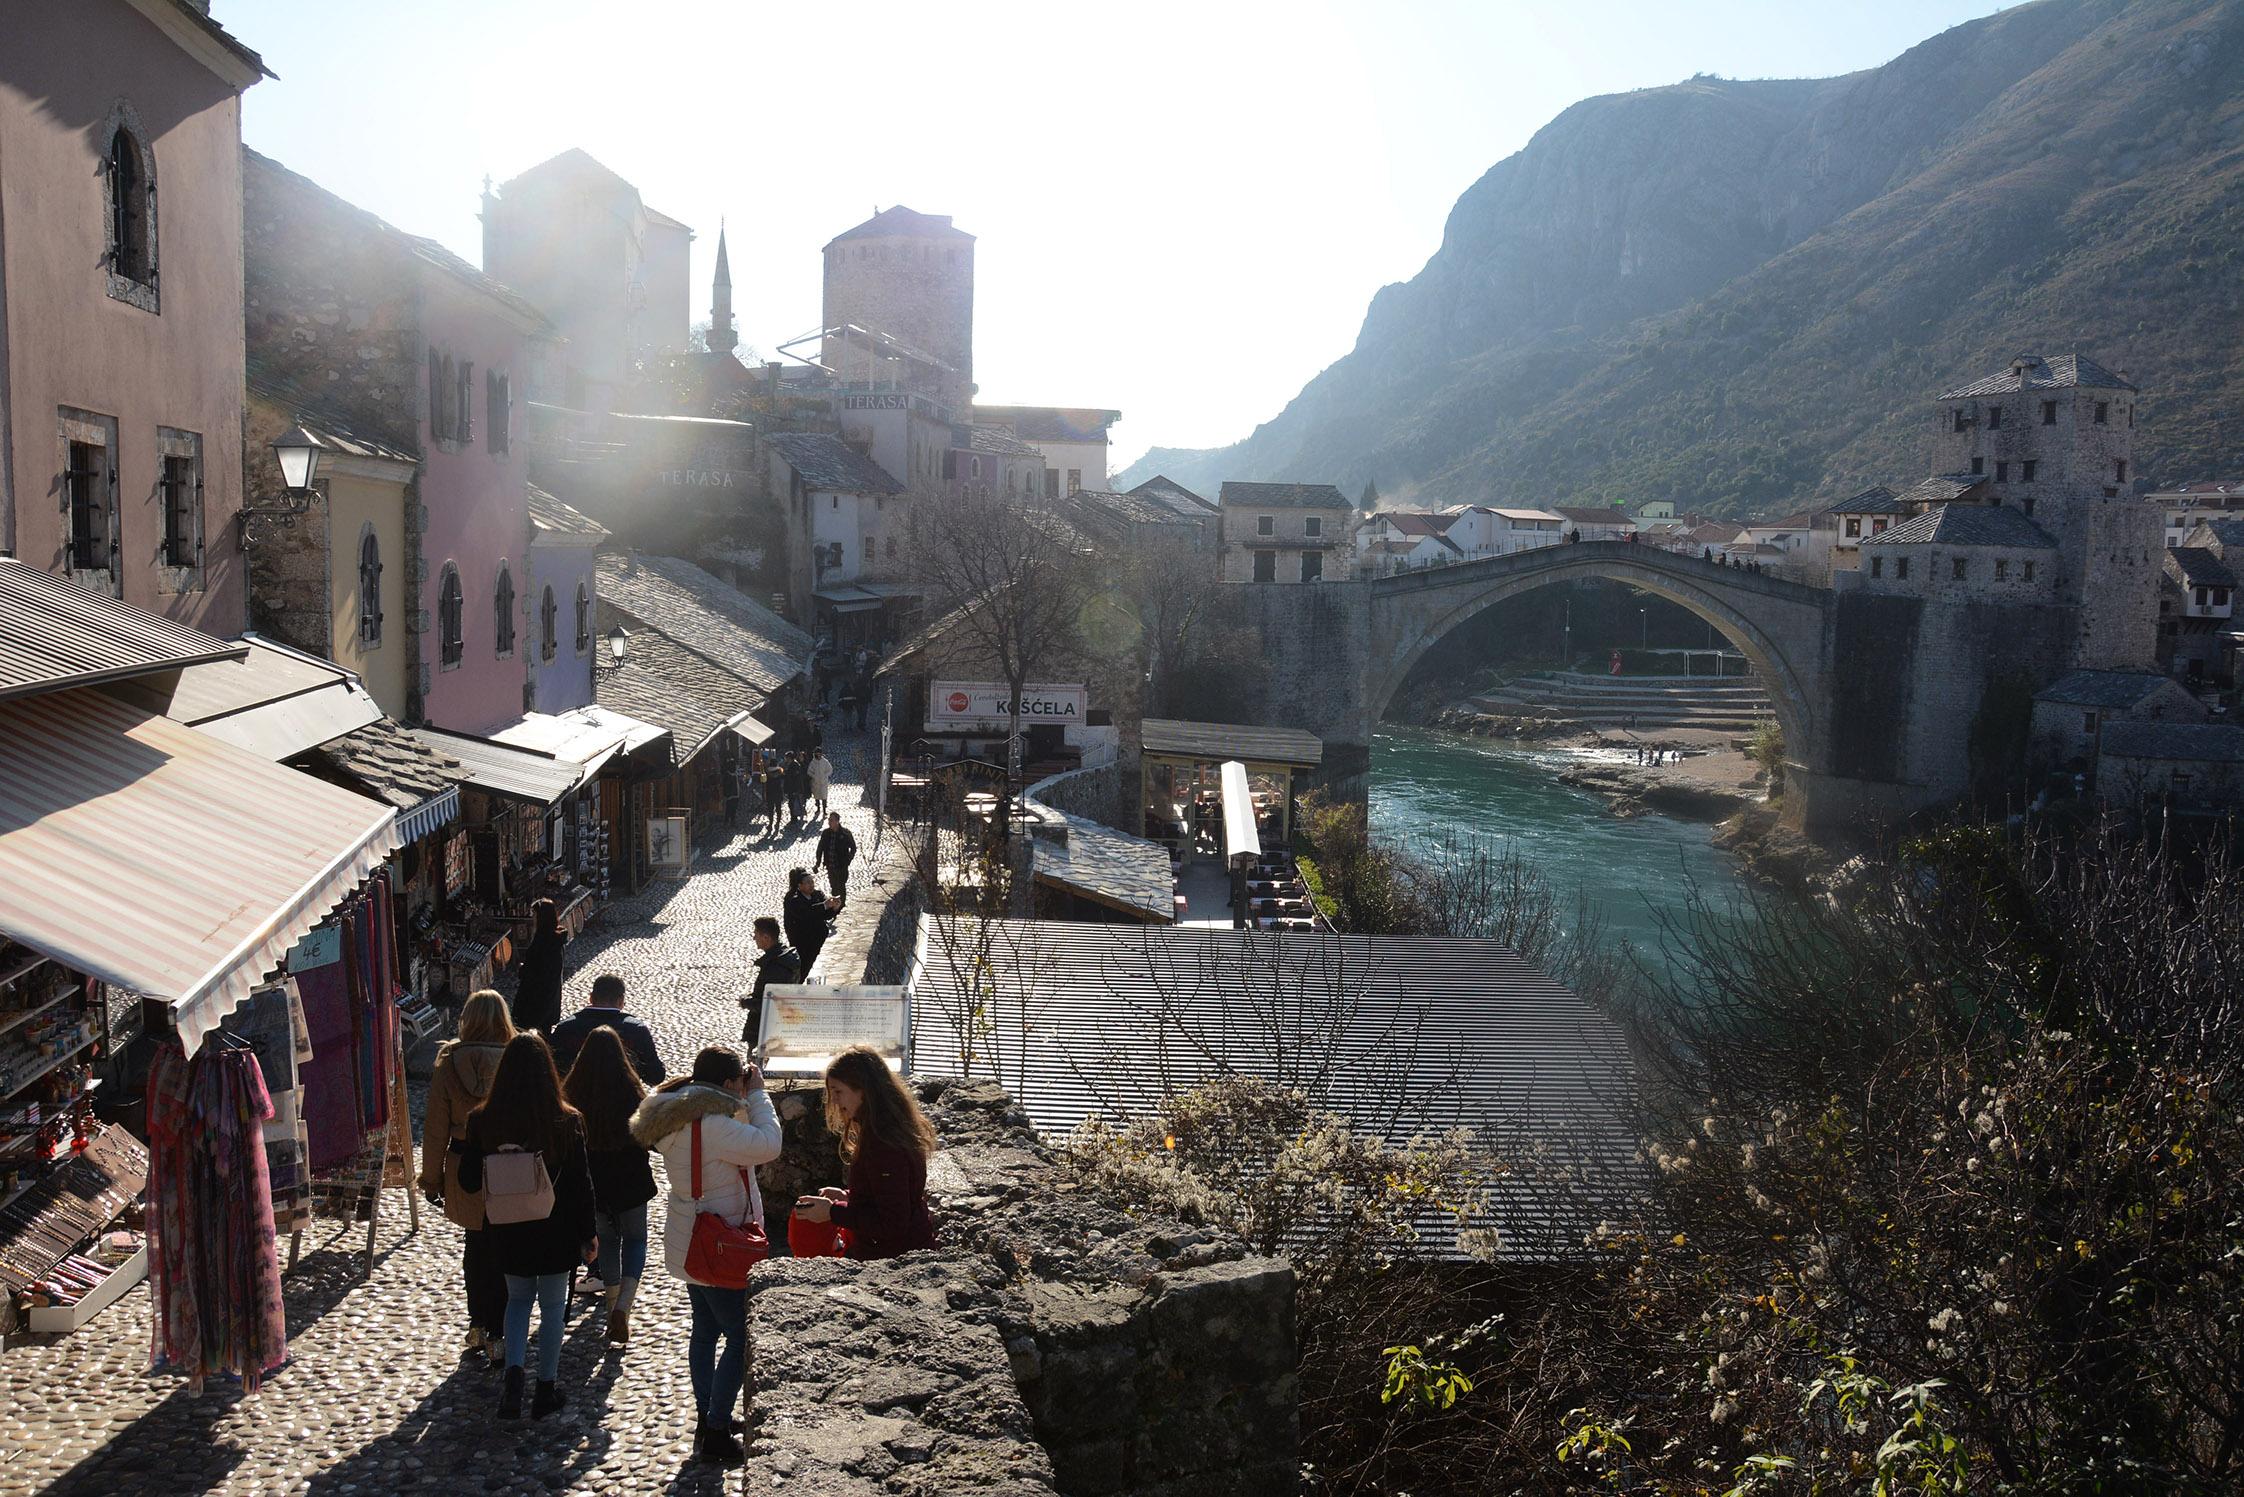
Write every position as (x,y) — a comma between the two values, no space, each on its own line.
(158,859)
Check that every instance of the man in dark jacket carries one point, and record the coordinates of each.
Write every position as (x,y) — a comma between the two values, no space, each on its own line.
(837,847)
(805,912)
(776,962)
(605,1007)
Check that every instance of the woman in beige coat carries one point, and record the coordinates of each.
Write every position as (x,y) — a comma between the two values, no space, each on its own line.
(462,1080)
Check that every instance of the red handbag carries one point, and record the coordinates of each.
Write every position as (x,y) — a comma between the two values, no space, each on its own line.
(720,1254)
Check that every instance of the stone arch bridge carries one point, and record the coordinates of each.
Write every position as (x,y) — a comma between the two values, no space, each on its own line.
(1875,692)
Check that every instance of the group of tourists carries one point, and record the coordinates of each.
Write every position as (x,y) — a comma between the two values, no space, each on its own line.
(792,788)
(540,1147)
(1645,754)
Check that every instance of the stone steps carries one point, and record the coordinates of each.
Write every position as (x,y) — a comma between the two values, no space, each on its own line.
(1731,704)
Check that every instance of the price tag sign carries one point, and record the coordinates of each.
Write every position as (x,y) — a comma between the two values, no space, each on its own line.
(807,1024)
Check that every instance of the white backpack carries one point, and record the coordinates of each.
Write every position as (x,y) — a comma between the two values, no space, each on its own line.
(516,1187)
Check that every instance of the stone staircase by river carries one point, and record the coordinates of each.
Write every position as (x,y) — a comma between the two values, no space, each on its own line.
(1731,704)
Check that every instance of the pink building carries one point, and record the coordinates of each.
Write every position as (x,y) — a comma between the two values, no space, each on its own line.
(121,300)
(375,334)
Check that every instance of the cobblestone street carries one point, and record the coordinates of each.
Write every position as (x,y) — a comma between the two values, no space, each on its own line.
(375,1396)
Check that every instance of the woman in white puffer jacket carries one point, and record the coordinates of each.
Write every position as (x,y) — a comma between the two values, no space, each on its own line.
(739,1131)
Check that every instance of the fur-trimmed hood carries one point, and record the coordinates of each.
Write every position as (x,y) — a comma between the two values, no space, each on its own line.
(662,1113)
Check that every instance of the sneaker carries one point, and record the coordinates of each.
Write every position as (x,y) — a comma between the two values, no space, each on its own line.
(717,1448)
(510,1399)
(590,1284)
(548,1399)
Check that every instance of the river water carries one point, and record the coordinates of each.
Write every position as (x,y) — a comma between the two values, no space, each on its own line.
(1431,784)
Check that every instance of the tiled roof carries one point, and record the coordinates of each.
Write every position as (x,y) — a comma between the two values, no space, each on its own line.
(2063,372)
(2222,533)
(1594,514)
(1049,423)
(2201,743)
(391,764)
(2110,690)
(1942,488)
(199,16)
(332,434)
(1284,496)
(1403,522)
(55,634)
(902,220)
(1175,495)
(637,690)
(829,463)
(2231,490)
(705,615)
(1878,500)
(1000,441)
(551,516)
(1966,525)
(2198,566)
(1134,508)
(1106,866)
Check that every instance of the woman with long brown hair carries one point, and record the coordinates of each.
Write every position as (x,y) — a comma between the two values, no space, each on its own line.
(539,1231)
(604,1088)
(886,1141)
(462,1079)
(537,993)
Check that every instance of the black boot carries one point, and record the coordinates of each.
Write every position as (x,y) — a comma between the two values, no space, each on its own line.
(548,1399)
(718,1448)
(510,1398)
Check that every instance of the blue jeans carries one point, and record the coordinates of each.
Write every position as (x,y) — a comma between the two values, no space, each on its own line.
(623,1244)
(716,1380)
(551,1290)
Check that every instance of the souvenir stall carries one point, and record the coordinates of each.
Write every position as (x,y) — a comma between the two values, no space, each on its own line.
(214,862)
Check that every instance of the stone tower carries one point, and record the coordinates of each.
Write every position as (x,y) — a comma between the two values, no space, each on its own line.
(905,281)
(722,338)
(2055,437)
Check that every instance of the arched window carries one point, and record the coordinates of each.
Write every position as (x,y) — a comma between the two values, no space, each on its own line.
(584,618)
(369,589)
(548,618)
(502,600)
(449,616)
(129,181)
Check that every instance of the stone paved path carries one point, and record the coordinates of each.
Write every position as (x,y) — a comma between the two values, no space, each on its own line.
(375,1397)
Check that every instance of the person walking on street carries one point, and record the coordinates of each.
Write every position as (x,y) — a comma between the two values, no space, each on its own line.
(525,1116)
(776,961)
(805,912)
(605,1090)
(458,1085)
(821,773)
(604,1010)
(851,703)
(775,796)
(837,847)
(716,1123)
(798,788)
(537,992)
(887,1141)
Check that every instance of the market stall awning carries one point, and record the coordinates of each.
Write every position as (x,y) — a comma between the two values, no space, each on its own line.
(1216,742)
(1240,838)
(274,701)
(158,859)
(589,736)
(757,734)
(845,598)
(502,769)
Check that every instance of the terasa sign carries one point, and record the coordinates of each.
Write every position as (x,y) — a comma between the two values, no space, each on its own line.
(987,704)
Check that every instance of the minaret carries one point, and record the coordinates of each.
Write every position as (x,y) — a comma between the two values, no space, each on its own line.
(722,339)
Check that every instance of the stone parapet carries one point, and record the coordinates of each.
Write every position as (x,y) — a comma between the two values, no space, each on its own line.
(1052,1344)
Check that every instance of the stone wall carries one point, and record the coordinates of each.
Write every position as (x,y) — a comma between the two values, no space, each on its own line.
(1315,645)
(1051,1344)
(1095,793)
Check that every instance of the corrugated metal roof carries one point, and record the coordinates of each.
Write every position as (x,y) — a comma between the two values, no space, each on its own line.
(1408,1037)
(274,702)
(56,634)
(160,860)
(502,769)
(1219,741)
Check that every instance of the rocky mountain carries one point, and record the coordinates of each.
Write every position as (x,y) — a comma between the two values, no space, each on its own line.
(1741,295)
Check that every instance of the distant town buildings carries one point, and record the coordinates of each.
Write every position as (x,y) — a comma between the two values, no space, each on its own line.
(1284,532)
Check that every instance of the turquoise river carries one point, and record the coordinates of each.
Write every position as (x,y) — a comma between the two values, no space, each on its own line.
(1429,785)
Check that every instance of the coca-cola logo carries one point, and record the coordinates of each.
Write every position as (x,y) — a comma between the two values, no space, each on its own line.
(958,701)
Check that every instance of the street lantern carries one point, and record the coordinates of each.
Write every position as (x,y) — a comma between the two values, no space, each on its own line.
(618,645)
(298,452)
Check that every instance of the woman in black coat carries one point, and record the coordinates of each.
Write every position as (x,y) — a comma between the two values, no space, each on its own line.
(537,993)
(524,1110)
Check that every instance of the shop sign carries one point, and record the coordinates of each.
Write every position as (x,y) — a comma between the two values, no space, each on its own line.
(988,704)
(699,478)
(895,402)
(808,1024)
(318,948)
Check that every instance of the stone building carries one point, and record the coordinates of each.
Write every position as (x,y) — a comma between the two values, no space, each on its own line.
(2197,633)
(908,278)
(2054,438)
(2181,766)
(2071,713)
(121,362)
(1073,441)
(609,271)
(1963,553)
(1852,521)
(1284,532)
(403,345)
(847,536)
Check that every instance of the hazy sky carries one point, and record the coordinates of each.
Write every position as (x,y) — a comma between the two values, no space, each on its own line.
(1182,210)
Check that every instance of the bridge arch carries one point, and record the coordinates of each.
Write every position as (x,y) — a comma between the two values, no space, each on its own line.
(1777,625)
